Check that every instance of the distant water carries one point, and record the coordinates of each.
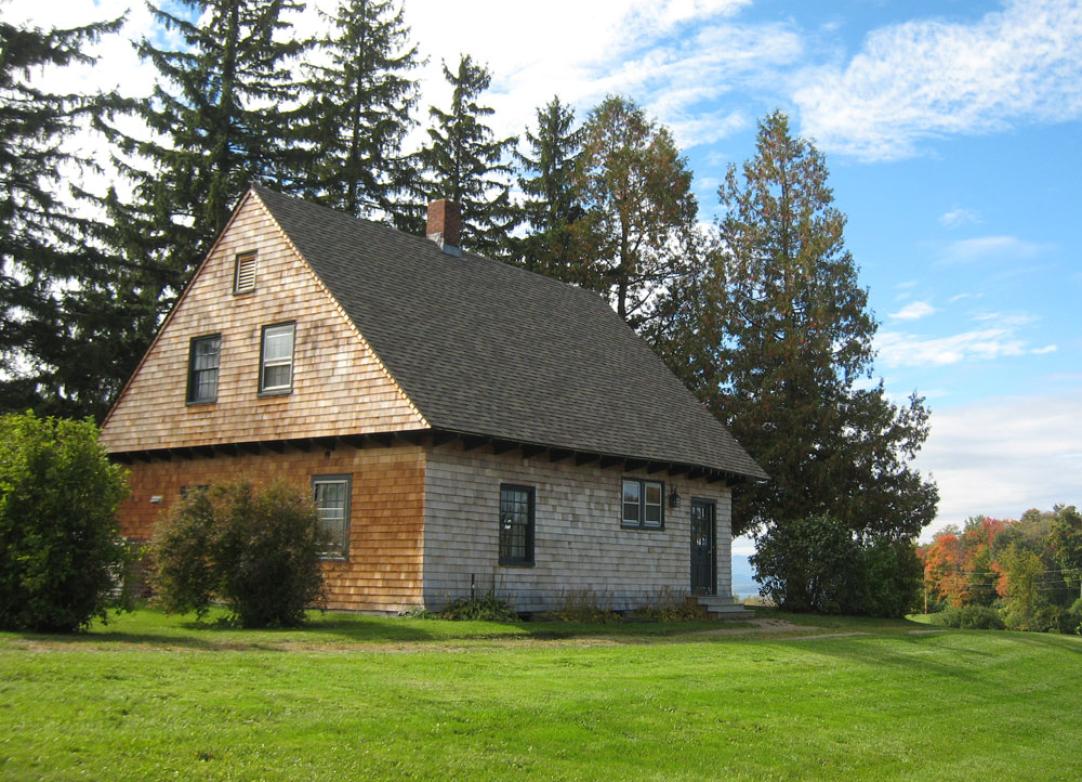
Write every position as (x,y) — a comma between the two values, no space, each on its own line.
(743,583)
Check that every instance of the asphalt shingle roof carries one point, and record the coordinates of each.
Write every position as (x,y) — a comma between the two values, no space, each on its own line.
(484,348)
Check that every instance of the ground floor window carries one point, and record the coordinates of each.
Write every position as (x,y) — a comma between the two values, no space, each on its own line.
(332,494)
(643,504)
(516,524)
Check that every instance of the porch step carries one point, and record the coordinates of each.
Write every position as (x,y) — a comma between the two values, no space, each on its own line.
(721,605)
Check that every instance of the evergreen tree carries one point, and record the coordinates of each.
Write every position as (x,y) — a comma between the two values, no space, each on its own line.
(47,252)
(358,112)
(639,230)
(552,201)
(791,340)
(219,119)
(465,163)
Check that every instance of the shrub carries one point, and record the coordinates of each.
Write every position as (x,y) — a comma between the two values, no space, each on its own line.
(668,605)
(61,554)
(817,564)
(585,606)
(807,565)
(257,552)
(890,577)
(1072,618)
(972,617)
(487,608)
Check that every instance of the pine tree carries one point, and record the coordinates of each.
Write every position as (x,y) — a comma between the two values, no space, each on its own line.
(465,163)
(220,117)
(791,340)
(358,112)
(552,201)
(640,211)
(47,252)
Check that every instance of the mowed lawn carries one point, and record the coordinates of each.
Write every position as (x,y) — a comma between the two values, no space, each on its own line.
(351,697)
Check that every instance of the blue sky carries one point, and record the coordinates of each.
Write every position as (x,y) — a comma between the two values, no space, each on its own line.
(952,131)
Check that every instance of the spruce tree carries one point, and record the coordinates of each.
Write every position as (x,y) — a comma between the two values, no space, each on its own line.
(552,201)
(464,162)
(47,249)
(358,110)
(219,118)
(639,230)
(792,354)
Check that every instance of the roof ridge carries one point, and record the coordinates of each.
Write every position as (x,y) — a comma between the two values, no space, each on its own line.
(340,215)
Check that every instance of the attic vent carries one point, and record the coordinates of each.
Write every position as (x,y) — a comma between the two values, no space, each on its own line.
(244,279)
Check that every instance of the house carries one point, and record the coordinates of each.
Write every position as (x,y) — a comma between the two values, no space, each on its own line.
(464,425)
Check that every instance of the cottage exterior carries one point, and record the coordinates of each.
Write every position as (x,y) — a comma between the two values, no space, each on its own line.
(464,425)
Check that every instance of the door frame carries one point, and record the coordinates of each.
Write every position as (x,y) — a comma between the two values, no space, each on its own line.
(712,587)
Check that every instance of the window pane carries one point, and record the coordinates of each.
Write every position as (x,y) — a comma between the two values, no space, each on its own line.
(277,377)
(652,514)
(653,493)
(631,513)
(632,490)
(278,343)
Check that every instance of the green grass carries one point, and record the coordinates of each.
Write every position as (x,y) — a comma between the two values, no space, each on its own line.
(351,697)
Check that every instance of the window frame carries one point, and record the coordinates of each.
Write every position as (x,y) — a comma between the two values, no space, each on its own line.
(277,390)
(347,479)
(191,386)
(642,524)
(506,560)
(242,256)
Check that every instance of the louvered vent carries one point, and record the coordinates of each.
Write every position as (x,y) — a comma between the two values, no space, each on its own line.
(245,278)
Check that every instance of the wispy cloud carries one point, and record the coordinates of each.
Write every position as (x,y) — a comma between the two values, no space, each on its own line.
(901,349)
(914,311)
(1044,350)
(929,78)
(963,296)
(956,218)
(1003,456)
(992,248)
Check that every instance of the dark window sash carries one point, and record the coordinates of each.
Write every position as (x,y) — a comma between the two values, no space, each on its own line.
(637,510)
(517,524)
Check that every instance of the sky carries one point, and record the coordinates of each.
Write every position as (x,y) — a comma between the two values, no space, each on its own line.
(953,133)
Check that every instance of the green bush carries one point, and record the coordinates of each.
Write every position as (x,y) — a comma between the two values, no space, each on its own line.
(1072,618)
(890,577)
(487,608)
(61,554)
(817,564)
(971,617)
(256,552)
(808,565)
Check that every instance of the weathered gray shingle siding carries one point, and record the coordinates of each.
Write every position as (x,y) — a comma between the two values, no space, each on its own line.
(579,543)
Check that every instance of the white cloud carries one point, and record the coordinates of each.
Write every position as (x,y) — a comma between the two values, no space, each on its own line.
(963,296)
(900,349)
(956,218)
(1004,455)
(991,248)
(929,78)
(914,311)
(1044,350)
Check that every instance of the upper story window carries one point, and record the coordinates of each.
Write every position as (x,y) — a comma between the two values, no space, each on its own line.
(332,494)
(244,274)
(643,504)
(276,364)
(203,356)
(516,524)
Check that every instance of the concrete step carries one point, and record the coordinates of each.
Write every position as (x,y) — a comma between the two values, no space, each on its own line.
(721,605)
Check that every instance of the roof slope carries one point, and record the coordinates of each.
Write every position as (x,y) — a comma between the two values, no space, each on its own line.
(484,348)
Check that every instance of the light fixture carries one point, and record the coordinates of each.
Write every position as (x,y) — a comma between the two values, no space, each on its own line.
(674,498)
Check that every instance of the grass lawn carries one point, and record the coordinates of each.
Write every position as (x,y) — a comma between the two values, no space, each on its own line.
(153,697)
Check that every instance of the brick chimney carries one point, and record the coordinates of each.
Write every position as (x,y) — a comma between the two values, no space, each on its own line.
(445,225)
